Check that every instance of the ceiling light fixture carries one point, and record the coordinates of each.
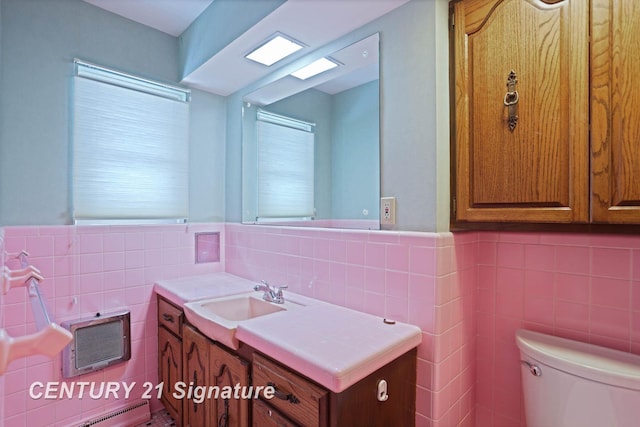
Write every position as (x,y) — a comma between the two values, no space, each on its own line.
(273,50)
(316,67)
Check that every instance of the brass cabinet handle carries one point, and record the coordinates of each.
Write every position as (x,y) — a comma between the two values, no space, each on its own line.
(511,99)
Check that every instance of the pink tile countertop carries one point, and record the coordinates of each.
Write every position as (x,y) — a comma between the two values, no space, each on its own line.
(332,345)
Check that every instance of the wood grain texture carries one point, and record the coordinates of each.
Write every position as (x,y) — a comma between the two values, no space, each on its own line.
(539,171)
(195,359)
(310,405)
(227,370)
(265,416)
(170,371)
(615,112)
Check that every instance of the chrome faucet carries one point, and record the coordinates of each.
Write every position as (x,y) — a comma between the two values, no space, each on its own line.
(271,294)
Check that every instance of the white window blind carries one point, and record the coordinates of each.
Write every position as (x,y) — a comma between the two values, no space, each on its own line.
(285,167)
(130,148)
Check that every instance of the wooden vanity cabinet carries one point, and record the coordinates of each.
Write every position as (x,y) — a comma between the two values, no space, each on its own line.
(300,401)
(187,359)
(546,111)
(170,320)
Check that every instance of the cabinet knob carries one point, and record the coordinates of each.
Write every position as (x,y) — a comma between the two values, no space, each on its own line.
(167,317)
(382,392)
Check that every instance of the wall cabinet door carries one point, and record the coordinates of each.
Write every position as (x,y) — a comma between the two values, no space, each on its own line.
(522,110)
(615,111)
(170,370)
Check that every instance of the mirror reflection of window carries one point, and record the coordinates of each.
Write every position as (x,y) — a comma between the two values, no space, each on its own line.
(343,103)
(285,167)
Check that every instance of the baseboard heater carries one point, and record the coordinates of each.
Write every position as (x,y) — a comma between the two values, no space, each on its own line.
(99,341)
(131,415)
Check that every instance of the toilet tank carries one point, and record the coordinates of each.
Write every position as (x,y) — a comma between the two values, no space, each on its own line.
(569,383)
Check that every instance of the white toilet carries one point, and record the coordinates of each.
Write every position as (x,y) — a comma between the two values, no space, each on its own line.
(568,383)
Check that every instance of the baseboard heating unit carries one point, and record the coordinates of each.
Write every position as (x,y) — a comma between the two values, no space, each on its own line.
(98,342)
(129,416)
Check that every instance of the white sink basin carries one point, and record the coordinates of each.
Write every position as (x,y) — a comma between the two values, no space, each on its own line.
(218,318)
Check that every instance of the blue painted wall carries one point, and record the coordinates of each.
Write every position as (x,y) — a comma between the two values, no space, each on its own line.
(40,39)
(414,115)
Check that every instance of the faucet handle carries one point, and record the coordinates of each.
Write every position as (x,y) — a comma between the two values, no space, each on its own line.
(280,295)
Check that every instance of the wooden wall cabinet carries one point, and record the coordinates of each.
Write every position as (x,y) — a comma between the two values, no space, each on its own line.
(545,118)
(615,111)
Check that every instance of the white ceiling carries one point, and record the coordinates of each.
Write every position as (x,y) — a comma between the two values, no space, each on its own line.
(313,22)
(169,16)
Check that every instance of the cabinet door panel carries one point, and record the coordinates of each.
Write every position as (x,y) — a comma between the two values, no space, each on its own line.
(196,370)
(170,370)
(227,370)
(536,171)
(615,109)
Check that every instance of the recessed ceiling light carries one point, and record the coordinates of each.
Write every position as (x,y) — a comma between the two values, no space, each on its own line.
(276,48)
(316,67)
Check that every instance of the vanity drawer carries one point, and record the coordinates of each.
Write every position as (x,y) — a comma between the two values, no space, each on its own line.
(296,397)
(169,316)
(264,416)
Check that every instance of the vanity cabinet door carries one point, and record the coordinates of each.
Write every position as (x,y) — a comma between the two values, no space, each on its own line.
(615,98)
(170,370)
(227,370)
(521,137)
(196,373)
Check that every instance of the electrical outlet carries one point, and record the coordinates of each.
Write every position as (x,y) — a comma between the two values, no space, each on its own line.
(387,210)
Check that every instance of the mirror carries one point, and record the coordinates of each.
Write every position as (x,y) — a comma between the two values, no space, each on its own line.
(339,116)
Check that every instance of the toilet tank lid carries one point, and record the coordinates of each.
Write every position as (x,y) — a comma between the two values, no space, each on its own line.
(589,361)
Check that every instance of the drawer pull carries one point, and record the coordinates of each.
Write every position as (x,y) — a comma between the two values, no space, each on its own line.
(167,317)
(511,99)
(282,395)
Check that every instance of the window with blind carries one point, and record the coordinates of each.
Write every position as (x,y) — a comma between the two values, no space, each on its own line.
(285,167)
(130,148)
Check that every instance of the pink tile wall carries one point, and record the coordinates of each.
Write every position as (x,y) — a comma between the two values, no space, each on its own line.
(579,286)
(91,269)
(426,279)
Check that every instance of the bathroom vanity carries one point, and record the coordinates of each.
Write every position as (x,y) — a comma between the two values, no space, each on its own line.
(315,380)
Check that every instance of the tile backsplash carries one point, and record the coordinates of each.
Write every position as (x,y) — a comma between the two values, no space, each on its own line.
(468,292)
(579,286)
(90,269)
(427,279)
